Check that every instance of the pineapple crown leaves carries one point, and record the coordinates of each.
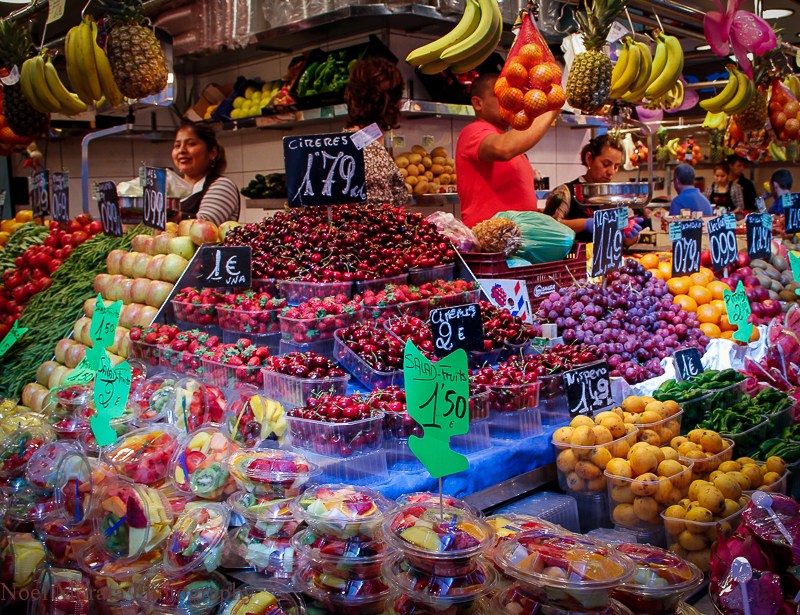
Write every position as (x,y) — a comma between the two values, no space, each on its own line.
(767,65)
(121,12)
(595,22)
(16,45)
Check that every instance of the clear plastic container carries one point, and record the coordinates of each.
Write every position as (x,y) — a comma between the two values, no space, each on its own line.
(271,516)
(304,331)
(778,421)
(297,291)
(27,505)
(442,541)
(581,573)
(342,511)
(349,560)
(272,557)
(324,348)
(661,581)
(59,591)
(429,497)
(262,597)
(227,376)
(199,466)
(249,323)
(363,596)
(197,540)
(424,275)
(294,391)
(151,398)
(367,469)
(510,350)
(506,526)
(149,354)
(614,536)
(481,358)
(17,448)
(193,593)
(251,418)
(193,404)
(20,554)
(71,428)
(42,467)
(593,510)
(551,507)
(64,542)
(515,425)
(266,285)
(369,377)
(143,455)
(203,316)
(478,439)
(661,432)
(402,604)
(349,439)
(514,397)
(694,410)
(270,472)
(702,468)
(637,503)
(400,458)
(270,341)
(77,478)
(65,401)
(748,441)
(517,598)
(378,284)
(778,486)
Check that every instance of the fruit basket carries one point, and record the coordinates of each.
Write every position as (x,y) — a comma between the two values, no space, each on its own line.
(199,465)
(660,433)
(345,439)
(369,377)
(772,481)
(248,322)
(424,275)
(297,291)
(294,391)
(198,540)
(192,315)
(280,474)
(149,354)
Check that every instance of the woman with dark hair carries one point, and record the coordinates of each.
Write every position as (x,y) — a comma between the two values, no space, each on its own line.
(373,96)
(200,158)
(602,157)
(723,192)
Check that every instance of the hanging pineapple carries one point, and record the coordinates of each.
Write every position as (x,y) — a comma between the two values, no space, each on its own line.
(16,47)
(755,115)
(137,61)
(589,81)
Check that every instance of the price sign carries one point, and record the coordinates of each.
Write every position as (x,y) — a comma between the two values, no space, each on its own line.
(85,371)
(227,266)
(112,385)
(11,337)
(109,208)
(759,235)
(61,197)
(794,263)
(607,239)
(457,327)
(437,397)
(40,194)
(588,388)
(324,170)
(791,212)
(738,307)
(686,249)
(688,363)
(155,198)
(722,241)
(104,322)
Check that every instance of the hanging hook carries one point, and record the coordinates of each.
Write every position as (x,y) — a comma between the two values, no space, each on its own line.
(85,6)
(630,23)
(658,19)
(44,31)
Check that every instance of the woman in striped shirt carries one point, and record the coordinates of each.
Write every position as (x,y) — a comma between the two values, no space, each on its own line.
(200,158)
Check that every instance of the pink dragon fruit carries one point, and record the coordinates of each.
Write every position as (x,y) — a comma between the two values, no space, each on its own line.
(764,592)
(742,30)
(759,522)
(741,543)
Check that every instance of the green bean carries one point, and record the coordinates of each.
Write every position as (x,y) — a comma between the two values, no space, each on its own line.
(27,235)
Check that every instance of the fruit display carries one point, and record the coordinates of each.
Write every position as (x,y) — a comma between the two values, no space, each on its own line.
(44,90)
(16,237)
(467,45)
(785,444)
(294,377)
(252,419)
(342,511)
(272,186)
(199,465)
(88,69)
(265,599)
(735,96)
(251,103)
(20,554)
(427,173)
(143,455)
(201,592)
(18,448)
(348,559)
(196,308)
(249,314)
(783,110)
(60,591)
(197,540)
(316,319)
(707,450)
(151,398)
(372,355)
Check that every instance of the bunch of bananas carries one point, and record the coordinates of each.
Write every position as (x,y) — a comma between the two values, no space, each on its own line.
(735,96)
(776,152)
(638,74)
(466,46)
(792,82)
(88,67)
(672,146)
(715,121)
(43,89)
(671,100)
(631,74)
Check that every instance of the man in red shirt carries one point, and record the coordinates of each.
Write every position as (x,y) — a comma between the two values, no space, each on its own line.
(494,174)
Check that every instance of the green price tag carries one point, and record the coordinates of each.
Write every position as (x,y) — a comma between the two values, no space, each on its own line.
(85,371)
(437,397)
(738,307)
(794,261)
(111,389)
(104,322)
(11,337)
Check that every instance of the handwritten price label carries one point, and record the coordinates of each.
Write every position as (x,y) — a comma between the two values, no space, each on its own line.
(688,363)
(794,262)
(155,198)
(109,208)
(738,307)
(588,388)
(111,389)
(40,194)
(11,337)
(686,249)
(607,239)
(457,327)
(722,243)
(61,197)
(791,212)
(759,235)
(85,371)
(104,322)
(437,397)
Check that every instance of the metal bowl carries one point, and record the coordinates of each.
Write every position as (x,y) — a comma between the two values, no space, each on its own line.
(603,196)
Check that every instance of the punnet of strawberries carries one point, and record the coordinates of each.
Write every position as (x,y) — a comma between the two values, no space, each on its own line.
(402,299)
(233,365)
(250,312)
(197,306)
(316,320)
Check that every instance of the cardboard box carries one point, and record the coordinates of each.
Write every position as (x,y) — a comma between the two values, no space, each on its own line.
(212,94)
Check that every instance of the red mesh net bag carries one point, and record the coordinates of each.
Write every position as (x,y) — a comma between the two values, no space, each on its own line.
(530,82)
(783,112)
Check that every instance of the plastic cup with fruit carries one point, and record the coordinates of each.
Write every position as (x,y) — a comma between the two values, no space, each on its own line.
(428,497)
(339,595)
(564,570)
(17,449)
(402,604)
(342,511)
(661,581)
(443,541)
(43,465)
(189,405)
(62,541)
(253,418)
(24,420)
(199,465)
(26,504)
(516,599)
(351,558)
(270,516)
(20,554)
(269,556)
(77,478)
(280,474)
(143,455)
(507,526)
(59,591)
(265,598)
(192,593)
(67,400)
(150,400)
(198,539)
(71,428)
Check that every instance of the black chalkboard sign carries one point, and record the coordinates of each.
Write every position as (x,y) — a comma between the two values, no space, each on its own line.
(457,327)
(687,363)
(324,170)
(40,194)
(607,239)
(686,248)
(759,235)
(61,197)
(227,267)
(155,198)
(588,388)
(722,241)
(108,203)
(791,212)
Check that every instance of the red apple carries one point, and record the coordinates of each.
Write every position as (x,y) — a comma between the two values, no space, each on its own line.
(173,267)
(705,258)
(158,293)
(183,227)
(203,231)
(114,261)
(139,290)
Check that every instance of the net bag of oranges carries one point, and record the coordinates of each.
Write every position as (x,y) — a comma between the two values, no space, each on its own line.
(530,82)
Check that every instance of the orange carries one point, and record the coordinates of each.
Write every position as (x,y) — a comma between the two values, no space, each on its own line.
(521,121)
(698,279)
(649,261)
(530,55)
(556,97)
(535,102)
(658,274)
(510,99)
(708,273)
(686,302)
(720,305)
(711,330)
(716,287)
(727,335)
(678,286)
(666,269)
(500,84)
(700,294)
(516,75)
(541,76)
(725,324)
(708,314)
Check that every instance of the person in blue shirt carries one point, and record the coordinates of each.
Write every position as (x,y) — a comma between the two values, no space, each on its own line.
(779,184)
(688,197)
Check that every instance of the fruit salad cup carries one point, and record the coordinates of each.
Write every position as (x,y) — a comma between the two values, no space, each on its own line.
(20,554)
(441,541)
(195,593)
(187,407)
(71,428)
(64,542)
(24,420)
(44,464)
(19,447)
(26,504)
(265,598)
(77,478)
(150,400)
(272,557)
(253,418)
(271,517)
(59,591)
(279,474)
(199,465)
(507,526)
(198,539)
(363,596)
(67,400)
(518,600)
(342,511)
(428,497)
(564,570)
(349,559)
(143,455)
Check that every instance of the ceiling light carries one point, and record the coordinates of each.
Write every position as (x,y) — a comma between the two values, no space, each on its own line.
(703,48)
(776,13)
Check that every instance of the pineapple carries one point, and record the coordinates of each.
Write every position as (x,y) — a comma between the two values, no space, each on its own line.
(16,47)
(589,79)
(754,117)
(137,62)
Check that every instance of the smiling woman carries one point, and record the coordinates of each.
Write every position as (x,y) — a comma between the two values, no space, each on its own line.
(200,158)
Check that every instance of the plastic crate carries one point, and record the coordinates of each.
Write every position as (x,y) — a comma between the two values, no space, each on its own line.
(293,391)
(478,439)
(418,277)
(541,279)
(363,470)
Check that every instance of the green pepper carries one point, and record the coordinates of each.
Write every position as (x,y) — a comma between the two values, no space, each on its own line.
(306,79)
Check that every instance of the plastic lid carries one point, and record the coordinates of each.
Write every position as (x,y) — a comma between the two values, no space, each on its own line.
(96,561)
(339,591)
(428,531)
(507,526)
(42,467)
(256,469)
(60,591)
(427,497)
(65,400)
(262,598)
(255,507)
(143,455)
(330,549)
(516,599)
(198,539)
(573,561)
(149,401)
(23,420)
(27,504)
(342,509)
(196,593)
(56,529)
(659,571)
(427,587)
(75,481)
(199,465)
(17,449)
